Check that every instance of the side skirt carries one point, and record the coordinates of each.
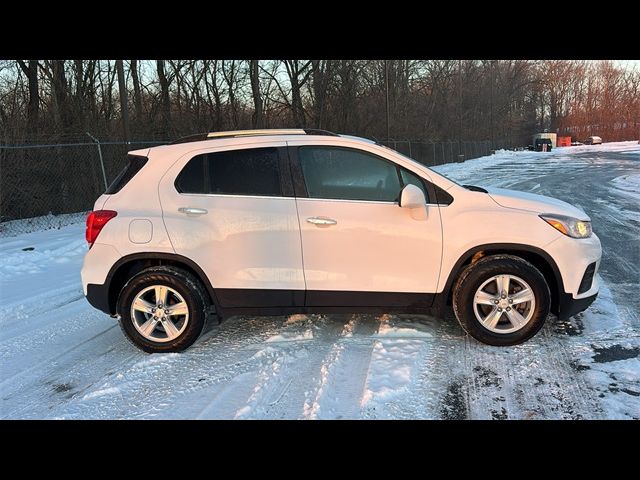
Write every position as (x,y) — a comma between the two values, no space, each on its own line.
(287,302)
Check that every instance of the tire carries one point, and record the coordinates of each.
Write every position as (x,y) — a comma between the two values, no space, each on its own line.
(182,287)
(480,275)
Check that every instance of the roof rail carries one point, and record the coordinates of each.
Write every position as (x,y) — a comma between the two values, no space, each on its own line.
(252,133)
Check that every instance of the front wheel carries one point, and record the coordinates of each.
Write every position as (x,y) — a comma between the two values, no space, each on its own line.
(162,309)
(501,300)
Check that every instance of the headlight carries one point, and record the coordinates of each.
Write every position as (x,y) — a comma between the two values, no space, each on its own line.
(572,227)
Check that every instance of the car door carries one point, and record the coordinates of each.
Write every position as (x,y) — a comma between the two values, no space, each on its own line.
(233,213)
(359,247)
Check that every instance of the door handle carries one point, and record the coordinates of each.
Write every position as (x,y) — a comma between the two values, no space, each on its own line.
(321,221)
(193,210)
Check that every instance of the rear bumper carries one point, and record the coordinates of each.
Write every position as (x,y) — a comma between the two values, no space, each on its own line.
(570,306)
(98,296)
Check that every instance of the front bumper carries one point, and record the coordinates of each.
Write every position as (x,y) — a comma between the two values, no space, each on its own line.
(573,256)
(570,306)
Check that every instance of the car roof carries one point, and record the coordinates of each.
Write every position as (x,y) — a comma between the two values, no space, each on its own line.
(247,137)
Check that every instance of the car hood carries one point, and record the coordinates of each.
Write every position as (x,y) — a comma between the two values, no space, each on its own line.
(534,203)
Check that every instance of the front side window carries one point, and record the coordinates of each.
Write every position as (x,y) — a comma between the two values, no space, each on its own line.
(410,178)
(346,174)
(252,171)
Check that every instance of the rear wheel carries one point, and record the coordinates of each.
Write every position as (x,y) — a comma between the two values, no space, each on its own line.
(162,309)
(501,300)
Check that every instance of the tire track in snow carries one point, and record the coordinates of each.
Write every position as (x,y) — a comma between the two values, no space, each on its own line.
(7,381)
(436,389)
(344,373)
(528,381)
(285,387)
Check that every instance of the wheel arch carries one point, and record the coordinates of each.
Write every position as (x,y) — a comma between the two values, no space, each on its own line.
(129,265)
(536,256)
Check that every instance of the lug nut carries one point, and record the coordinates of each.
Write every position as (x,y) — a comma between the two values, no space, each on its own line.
(499,309)
(508,309)
(153,310)
(496,302)
(155,318)
(511,300)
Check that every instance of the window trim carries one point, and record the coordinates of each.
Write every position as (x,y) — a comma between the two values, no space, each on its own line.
(300,186)
(286,187)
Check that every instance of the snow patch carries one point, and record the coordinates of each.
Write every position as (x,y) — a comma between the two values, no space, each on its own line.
(390,370)
(291,337)
(296,318)
(101,393)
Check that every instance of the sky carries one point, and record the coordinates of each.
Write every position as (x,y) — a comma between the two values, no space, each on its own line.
(630,64)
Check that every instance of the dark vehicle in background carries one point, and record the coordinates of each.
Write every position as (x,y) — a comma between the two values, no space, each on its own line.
(593,140)
(541,145)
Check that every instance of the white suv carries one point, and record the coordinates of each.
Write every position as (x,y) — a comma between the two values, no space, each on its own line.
(275,222)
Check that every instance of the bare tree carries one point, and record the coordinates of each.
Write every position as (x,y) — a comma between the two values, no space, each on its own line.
(30,70)
(298,72)
(137,94)
(257,121)
(504,101)
(124,100)
(164,95)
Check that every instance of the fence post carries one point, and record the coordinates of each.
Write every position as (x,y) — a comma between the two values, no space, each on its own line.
(104,174)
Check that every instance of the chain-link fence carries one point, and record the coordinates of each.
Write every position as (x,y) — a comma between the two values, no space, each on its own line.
(439,153)
(39,180)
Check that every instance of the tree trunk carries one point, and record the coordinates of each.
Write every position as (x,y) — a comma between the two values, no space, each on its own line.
(124,100)
(164,93)
(137,97)
(321,75)
(255,90)
(59,87)
(31,72)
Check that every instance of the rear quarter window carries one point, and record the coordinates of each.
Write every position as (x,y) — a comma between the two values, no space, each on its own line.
(253,171)
(134,165)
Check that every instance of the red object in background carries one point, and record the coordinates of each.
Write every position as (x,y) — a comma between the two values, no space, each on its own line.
(564,142)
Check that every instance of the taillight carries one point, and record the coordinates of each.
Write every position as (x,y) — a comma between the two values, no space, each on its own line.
(95,221)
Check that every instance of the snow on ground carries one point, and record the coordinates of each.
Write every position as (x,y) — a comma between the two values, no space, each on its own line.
(60,358)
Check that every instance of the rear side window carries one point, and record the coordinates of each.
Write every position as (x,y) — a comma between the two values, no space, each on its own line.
(252,171)
(133,167)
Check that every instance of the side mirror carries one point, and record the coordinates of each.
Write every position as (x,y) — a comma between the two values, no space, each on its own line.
(412,198)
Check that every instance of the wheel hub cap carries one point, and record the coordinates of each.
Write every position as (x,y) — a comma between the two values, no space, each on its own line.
(504,304)
(159,313)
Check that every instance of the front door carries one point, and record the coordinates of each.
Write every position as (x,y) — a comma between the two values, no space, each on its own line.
(359,247)
(230,213)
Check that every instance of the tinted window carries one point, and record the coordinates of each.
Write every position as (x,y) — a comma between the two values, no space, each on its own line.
(133,167)
(345,174)
(237,172)
(410,178)
(191,178)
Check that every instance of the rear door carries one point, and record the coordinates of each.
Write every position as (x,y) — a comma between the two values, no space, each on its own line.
(233,213)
